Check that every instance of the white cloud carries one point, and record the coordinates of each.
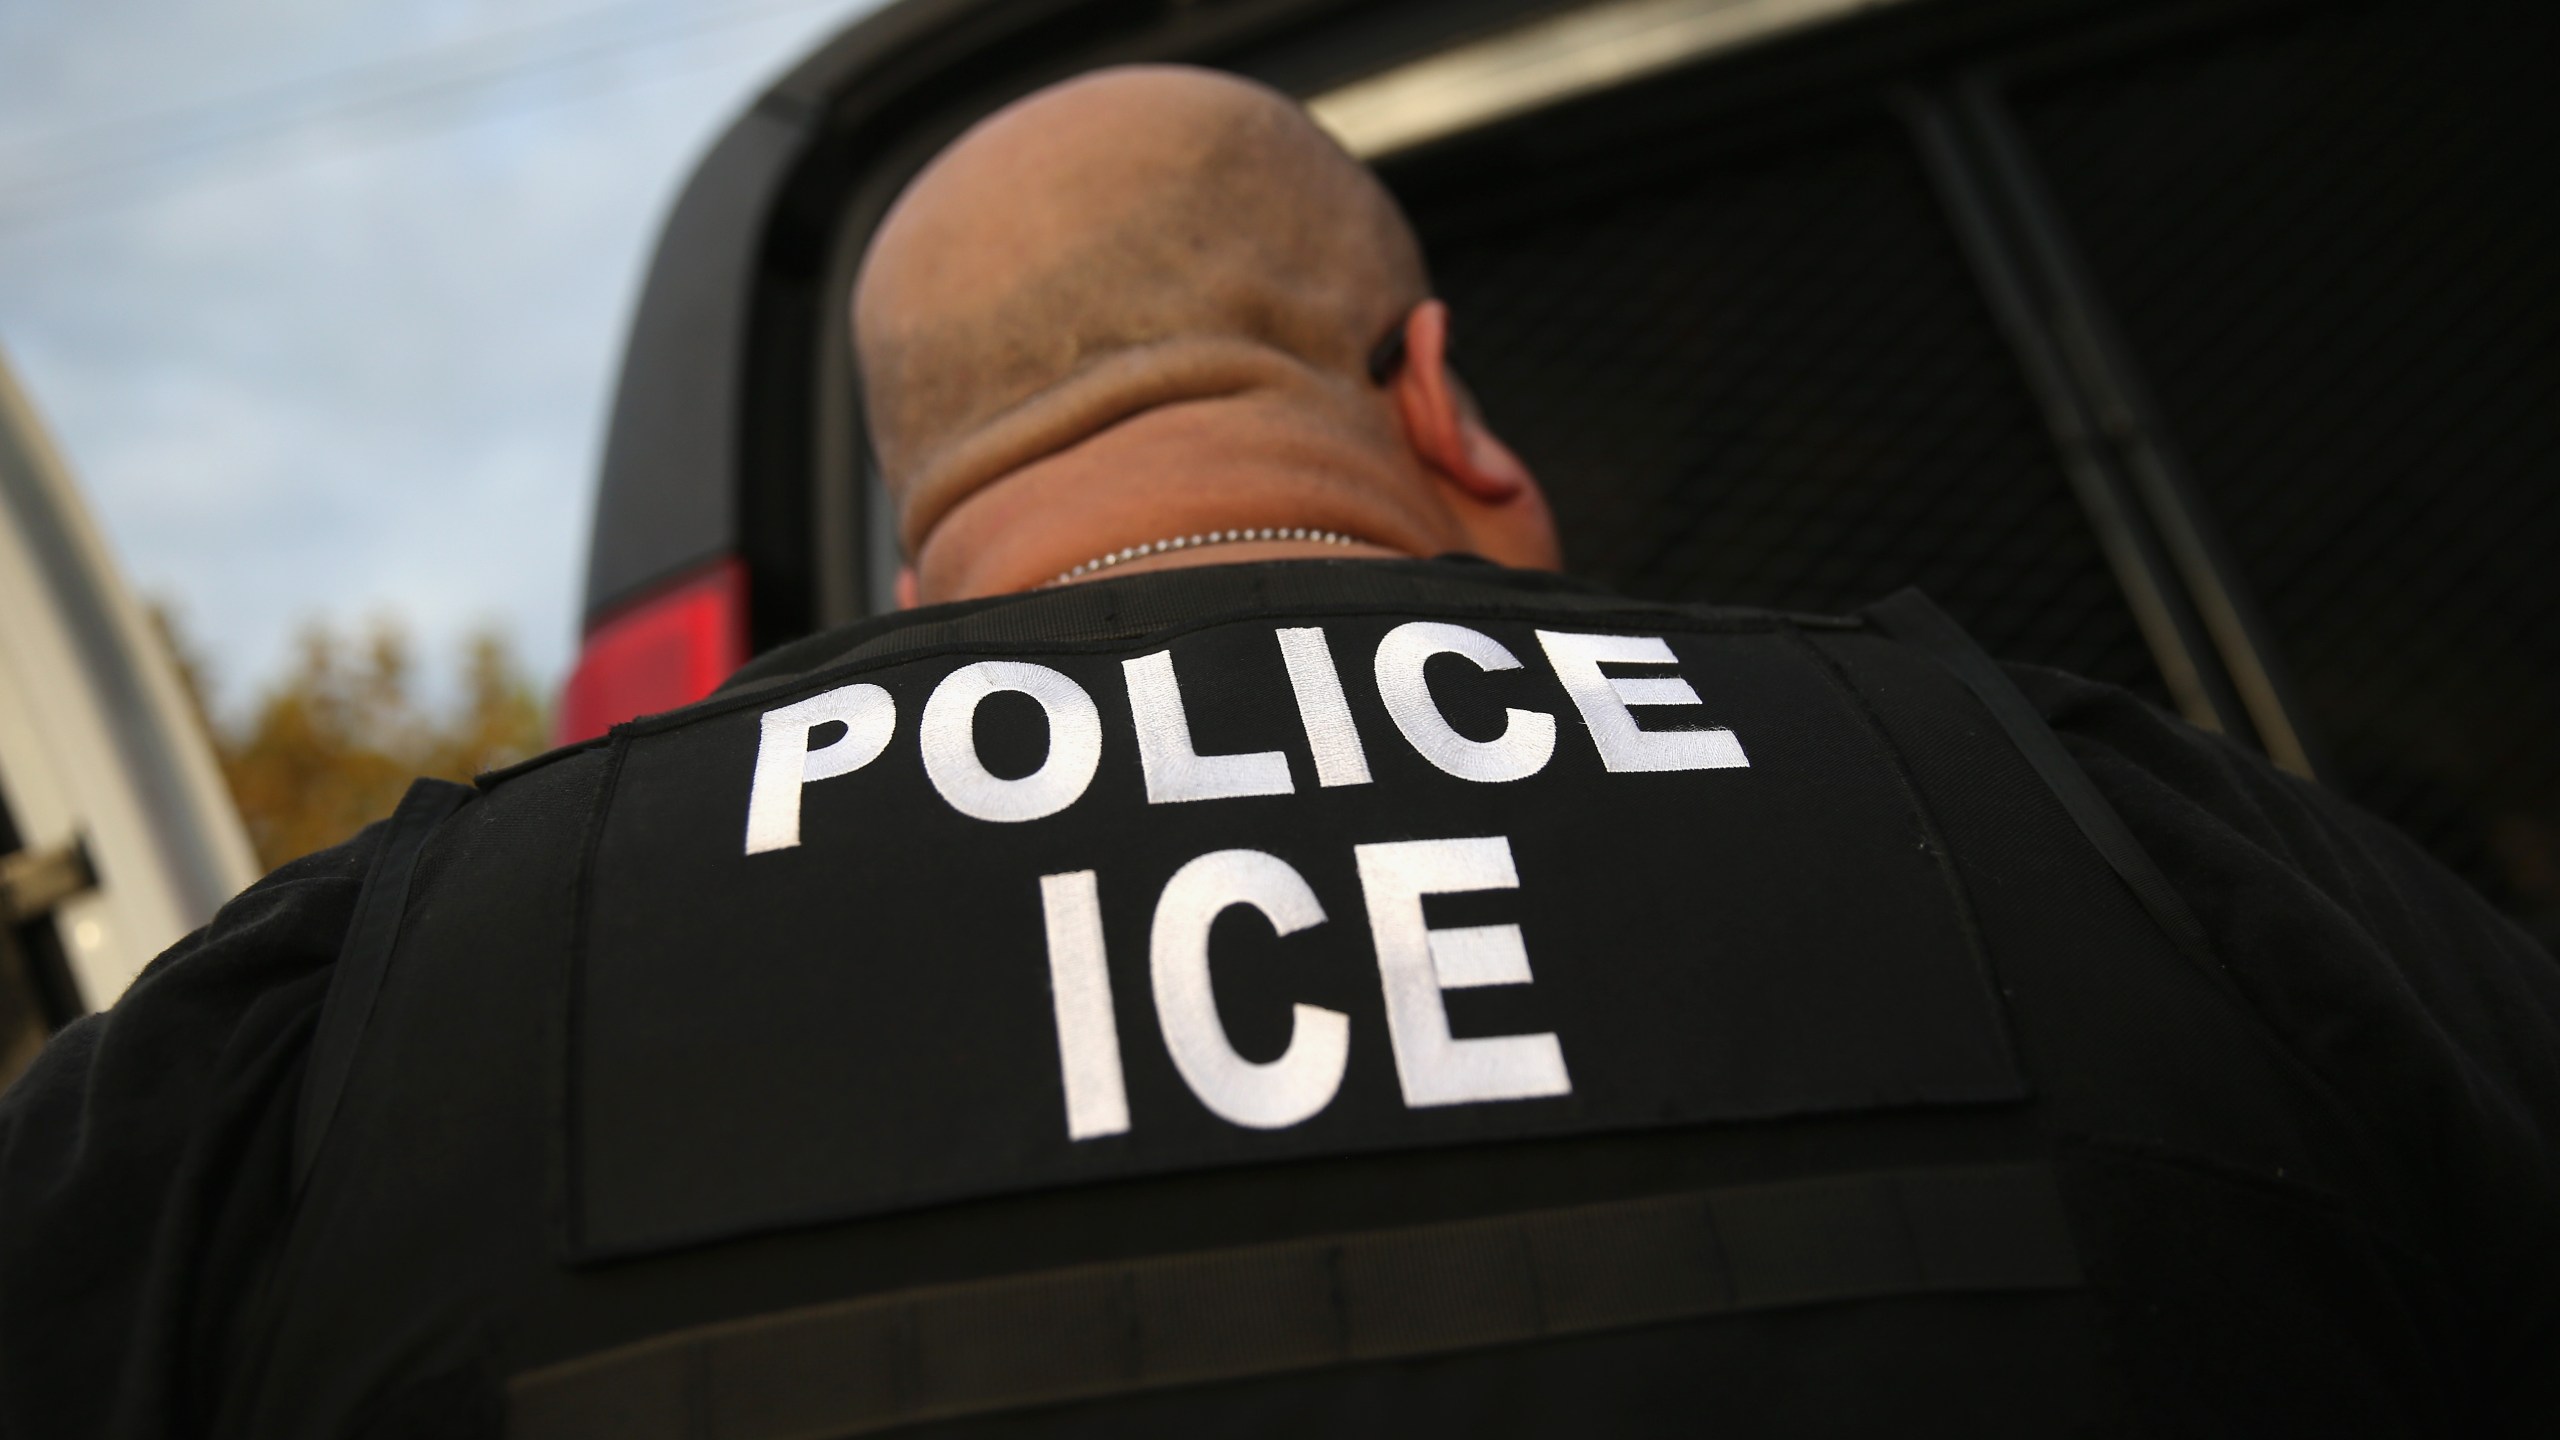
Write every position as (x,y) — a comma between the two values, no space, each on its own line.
(361,364)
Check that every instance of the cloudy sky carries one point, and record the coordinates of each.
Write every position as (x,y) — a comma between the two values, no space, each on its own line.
(323,298)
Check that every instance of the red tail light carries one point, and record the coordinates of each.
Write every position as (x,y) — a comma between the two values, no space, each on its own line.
(671,647)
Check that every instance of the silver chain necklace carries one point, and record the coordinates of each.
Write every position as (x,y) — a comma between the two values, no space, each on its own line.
(1128,553)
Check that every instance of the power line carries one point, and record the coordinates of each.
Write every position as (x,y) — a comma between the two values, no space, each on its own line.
(402,98)
(371,75)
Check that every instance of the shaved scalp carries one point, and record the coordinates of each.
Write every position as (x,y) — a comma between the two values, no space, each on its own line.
(1128,240)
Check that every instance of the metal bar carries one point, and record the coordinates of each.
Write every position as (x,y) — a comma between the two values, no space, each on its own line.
(2176,639)
(34,882)
(1552,60)
(2127,426)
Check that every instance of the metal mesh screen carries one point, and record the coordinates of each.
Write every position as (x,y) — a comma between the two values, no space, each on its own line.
(2330,239)
(1772,381)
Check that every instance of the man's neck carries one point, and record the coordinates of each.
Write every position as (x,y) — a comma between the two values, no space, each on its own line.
(1225,481)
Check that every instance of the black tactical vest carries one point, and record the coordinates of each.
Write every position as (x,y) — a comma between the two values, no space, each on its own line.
(1314,998)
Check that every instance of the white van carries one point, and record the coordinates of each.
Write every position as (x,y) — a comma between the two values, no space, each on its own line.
(117,835)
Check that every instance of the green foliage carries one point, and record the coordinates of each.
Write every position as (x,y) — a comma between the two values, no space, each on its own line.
(328,748)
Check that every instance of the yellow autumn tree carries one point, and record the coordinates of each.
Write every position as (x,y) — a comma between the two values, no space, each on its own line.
(329,747)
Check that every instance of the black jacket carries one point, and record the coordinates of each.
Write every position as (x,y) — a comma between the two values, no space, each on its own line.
(1815,1053)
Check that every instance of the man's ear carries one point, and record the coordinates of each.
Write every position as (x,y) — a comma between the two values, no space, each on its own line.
(906,587)
(1439,422)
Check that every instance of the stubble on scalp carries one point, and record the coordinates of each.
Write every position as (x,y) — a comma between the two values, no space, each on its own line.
(1130,239)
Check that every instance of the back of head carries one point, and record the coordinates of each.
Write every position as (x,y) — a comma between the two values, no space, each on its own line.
(1130,239)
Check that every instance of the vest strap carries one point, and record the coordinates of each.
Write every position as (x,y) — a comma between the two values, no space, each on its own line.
(356,980)
(936,1353)
(1909,616)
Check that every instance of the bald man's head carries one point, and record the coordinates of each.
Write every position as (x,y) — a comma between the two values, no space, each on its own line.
(1128,240)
